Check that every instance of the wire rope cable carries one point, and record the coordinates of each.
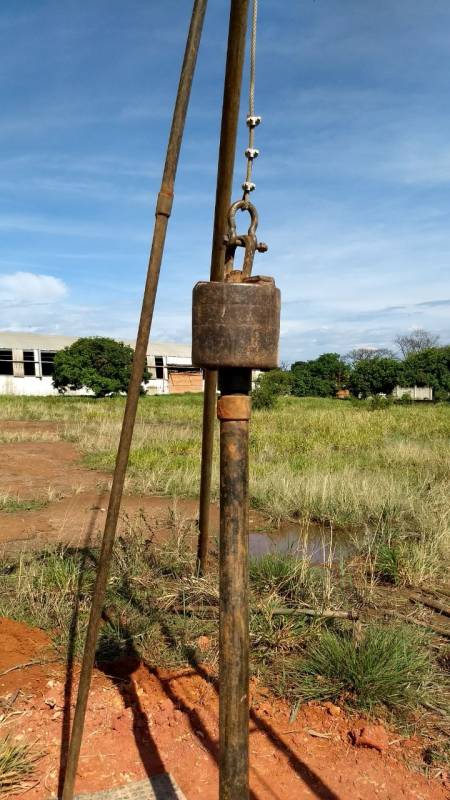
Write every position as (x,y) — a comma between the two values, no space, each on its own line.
(252,119)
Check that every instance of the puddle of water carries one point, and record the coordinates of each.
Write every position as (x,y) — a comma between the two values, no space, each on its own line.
(313,543)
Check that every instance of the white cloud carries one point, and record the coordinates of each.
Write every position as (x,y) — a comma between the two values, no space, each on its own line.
(30,288)
(43,303)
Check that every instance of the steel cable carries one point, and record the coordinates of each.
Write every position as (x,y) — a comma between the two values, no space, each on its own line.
(252,120)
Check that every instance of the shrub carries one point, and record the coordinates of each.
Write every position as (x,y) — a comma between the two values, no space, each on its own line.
(263,397)
(269,386)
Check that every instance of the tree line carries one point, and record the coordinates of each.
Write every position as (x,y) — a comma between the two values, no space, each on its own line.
(104,366)
(364,372)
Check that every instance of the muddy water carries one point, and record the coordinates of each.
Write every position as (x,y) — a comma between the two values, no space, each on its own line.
(314,543)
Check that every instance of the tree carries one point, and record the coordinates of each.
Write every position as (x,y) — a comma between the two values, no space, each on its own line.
(429,367)
(97,363)
(320,377)
(368,354)
(419,339)
(375,376)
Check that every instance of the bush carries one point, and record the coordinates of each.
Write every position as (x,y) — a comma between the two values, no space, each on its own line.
(97,363)
(440,395)
(264,397)
(269,386)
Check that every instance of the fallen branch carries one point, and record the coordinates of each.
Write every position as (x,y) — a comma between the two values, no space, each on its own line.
(437,591)
(28,664)
(300,612)
(429,603)
(311,612)
(320,735)
(443,712)
(413,621)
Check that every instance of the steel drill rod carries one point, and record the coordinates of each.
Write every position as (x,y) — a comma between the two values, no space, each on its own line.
(230,113)
(163,209)
(234,415)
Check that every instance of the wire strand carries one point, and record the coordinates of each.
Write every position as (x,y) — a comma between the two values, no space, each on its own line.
(250,153)
(251,102)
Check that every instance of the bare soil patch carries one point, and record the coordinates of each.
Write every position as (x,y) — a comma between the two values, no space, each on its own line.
(75,498)
(33,469)
(143,722)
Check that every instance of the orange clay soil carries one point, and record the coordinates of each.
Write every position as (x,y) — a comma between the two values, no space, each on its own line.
(142,721)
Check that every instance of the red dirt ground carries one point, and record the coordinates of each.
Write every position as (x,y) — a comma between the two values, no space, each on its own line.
(142,721)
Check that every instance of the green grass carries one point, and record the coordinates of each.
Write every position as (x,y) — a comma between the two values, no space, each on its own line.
(275,572)
(390,666)
(381,472)
(13,504)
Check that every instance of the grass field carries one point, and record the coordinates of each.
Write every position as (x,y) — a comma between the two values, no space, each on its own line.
(382,474)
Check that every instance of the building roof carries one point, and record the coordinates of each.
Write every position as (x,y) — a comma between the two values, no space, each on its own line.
(49,341)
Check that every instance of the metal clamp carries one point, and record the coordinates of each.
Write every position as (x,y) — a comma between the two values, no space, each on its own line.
(248,186)
(248,241)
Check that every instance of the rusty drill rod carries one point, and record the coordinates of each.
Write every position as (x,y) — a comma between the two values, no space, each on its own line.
(233,410)
(230,112)
(163,209)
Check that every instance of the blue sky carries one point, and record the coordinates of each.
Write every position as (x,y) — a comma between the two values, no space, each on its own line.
(352,180)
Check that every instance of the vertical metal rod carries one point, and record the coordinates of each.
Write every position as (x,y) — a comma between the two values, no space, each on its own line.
(233,410)
(163,209)
(230,113)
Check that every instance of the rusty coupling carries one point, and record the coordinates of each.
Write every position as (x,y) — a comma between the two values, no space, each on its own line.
(236,323)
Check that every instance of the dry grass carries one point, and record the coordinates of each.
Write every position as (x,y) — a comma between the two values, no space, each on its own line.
(382,472)
(17,762)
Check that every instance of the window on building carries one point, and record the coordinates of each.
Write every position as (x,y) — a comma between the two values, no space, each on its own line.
(28,363)
(47,361)
(6,362)
(159,364)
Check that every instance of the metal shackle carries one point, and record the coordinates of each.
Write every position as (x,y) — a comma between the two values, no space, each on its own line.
(242,205)
(247,240)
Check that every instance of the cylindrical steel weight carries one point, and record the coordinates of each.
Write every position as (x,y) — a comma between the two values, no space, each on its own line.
(236,324)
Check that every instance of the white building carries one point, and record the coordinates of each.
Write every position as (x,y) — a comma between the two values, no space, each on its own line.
(414,392)
(26,365)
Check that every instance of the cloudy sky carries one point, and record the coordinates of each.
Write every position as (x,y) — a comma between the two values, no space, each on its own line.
(352,180)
